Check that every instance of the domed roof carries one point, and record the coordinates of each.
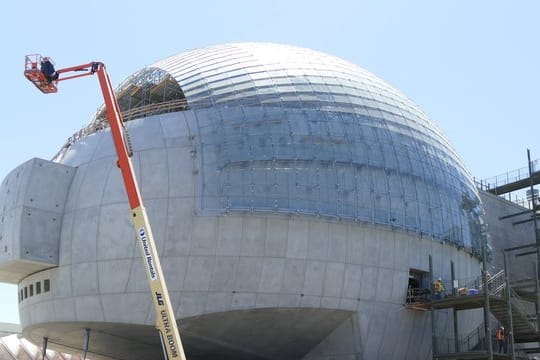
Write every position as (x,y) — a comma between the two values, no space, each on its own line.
(306,132)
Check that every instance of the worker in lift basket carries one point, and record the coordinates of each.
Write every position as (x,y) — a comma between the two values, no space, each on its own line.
(47,68)
(439,289)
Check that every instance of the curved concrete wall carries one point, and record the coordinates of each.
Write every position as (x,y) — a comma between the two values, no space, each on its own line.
(235,264)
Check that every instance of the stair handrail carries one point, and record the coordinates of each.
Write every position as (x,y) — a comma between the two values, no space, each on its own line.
(517,303)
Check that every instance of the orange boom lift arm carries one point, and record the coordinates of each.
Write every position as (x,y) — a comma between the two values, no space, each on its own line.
(165,320)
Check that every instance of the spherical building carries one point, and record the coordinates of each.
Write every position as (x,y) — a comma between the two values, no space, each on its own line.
(292,194)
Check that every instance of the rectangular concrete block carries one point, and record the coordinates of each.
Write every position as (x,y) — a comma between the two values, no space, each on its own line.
(218,301)
(180,171)
(372,246)
(34,197)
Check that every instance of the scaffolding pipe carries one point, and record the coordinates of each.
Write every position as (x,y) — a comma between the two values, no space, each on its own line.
(456,334)
(509,308)
(434,349)
(487,329)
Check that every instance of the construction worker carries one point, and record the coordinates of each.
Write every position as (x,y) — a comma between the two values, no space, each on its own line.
(501,339)
(47,68)
(439,289)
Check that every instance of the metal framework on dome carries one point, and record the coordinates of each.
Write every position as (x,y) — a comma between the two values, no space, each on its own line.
(150,91)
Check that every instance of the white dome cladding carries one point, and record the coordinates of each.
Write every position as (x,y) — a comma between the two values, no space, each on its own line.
(288,129)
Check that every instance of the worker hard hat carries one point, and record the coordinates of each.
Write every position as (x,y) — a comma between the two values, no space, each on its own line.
(439,279)
(502,327)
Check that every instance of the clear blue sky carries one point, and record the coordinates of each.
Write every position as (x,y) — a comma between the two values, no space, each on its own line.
(472,66)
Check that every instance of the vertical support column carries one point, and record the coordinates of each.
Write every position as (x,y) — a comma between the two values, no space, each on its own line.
(454,311)
(509,308)
(44,348)
(434,349)
(536,237)
(86,342)
(487,328)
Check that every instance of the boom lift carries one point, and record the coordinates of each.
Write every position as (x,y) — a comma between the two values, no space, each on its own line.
(46,80)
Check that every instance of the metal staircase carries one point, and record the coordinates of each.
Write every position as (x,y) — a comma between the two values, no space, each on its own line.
(474,345)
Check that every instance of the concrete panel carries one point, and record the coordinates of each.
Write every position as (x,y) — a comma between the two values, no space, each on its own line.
(146,133)
(85,279)
(275,244)
(156,210)
(116,234)
(337,250)
(386,246)
(298,238)
(229,240)
(137,276)
(293,276)
(333,281)
(224,274)
(370,283)
(64,309)
(179,227)
(401,247)
(218,301)
(318,240)
(385,284)
(92,186)
(243,300)
(310,301)
(248,275)
(114,190)
(314,279)
(199,273)
(272,275)
(352,281)
(83,239)
(253,236)
(181,177)
(113,275)
(173,125)
(191,304)
(267,300)
(204,235)
(174,270)
(88,308)
(372,246)
(153,180)
(355,244)
(122,308)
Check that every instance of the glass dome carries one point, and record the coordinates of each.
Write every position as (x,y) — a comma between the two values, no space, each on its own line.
(292,130)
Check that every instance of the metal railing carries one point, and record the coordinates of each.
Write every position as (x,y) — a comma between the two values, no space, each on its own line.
(508,177)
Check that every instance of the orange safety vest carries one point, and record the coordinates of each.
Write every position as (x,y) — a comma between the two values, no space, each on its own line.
(500,334)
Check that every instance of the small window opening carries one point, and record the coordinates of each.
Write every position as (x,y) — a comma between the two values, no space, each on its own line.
(418,289)
(38,288)
(25,292)
(31,288)
(46,285)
